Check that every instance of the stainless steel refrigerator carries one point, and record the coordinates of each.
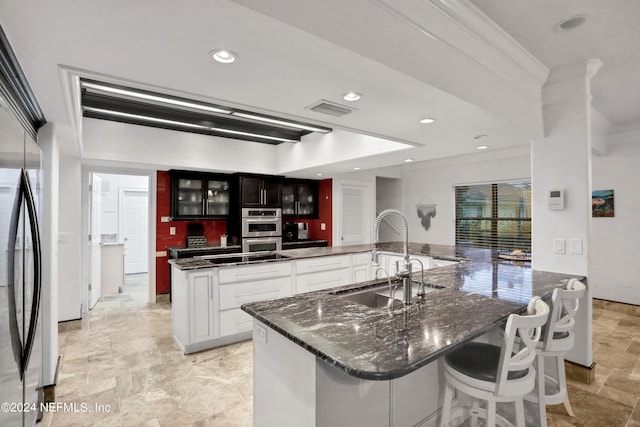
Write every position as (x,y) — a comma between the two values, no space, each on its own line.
(20,272)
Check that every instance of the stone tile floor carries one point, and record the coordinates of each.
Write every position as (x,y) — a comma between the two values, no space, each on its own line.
(123,365)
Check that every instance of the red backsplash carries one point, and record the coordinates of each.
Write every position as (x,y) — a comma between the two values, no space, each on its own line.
(212,229)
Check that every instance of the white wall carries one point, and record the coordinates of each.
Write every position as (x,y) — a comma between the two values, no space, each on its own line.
(389,196)
(69,248)
(615,242)
(111,200)
(433,181)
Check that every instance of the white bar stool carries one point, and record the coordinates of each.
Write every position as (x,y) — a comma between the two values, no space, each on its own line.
(557,339)
(496,373)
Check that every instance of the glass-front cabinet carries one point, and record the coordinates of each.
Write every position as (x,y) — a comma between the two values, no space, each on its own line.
(300,198)
(199,195)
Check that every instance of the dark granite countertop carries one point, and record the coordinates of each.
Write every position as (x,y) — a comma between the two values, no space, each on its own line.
(378,344)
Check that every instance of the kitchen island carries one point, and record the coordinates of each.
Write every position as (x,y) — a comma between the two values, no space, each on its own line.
(322,359)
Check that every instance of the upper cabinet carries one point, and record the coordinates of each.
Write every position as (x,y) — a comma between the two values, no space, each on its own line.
(300,198)
(258,191)
(199,195)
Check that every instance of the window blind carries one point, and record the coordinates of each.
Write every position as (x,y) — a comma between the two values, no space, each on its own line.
(496,215)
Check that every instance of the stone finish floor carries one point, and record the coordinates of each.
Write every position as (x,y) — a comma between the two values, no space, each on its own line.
(123,355)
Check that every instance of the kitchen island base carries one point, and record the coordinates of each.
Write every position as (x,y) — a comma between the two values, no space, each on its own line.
(293,387)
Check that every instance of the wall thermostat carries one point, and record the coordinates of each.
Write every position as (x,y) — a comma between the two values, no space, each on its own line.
(556,200)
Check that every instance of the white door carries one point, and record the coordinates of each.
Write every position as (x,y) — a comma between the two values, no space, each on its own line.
(96,225)
(135,232)
(355,221)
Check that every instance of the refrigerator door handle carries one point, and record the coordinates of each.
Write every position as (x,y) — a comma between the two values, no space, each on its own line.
(37,271)
(22,346)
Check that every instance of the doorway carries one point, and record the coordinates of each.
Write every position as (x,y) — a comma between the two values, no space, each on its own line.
(121,229)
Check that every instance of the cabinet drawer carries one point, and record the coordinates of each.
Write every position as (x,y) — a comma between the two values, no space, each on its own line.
(234,295)
(234,321)
(361,259)
(313,265)
(322,280)
(247,273)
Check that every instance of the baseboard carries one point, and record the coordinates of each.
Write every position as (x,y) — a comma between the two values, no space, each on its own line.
(50,389)
(580,373)
(69,325)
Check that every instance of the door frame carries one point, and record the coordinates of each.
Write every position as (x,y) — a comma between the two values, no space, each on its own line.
(368,217)
(151,175)
(121,192)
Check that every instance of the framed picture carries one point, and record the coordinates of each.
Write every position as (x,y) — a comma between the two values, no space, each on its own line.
(602,203)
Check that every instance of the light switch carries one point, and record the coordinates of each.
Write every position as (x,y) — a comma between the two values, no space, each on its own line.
(576,246)
(559,246)
(172,231)
(323,226)
(165,219)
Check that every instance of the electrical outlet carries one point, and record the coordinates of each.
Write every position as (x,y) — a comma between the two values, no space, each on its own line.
(165,218)
(559,246)
(172,231)
(323,226)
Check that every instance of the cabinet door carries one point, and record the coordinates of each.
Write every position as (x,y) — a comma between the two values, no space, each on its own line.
(272,189)
(188,197)
(289,202)
(251,191)
(360,273)
(217,198)
(201,306)
(307,195)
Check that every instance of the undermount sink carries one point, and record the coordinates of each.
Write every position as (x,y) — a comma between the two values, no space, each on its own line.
(378,296)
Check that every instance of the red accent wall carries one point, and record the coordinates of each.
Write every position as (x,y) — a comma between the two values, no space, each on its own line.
(212,230)
(324,213)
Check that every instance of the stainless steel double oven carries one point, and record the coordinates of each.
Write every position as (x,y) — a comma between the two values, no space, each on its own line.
(261,229)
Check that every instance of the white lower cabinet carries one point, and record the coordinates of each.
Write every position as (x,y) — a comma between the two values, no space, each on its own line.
(360,267)
(193,308)
(315,274)
(248,283)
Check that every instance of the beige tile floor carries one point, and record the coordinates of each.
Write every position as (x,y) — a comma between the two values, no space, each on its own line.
(124,360)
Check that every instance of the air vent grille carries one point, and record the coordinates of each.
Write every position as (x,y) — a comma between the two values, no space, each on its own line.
(331,108)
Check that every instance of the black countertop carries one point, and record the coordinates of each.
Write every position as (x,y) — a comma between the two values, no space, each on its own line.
(378,344)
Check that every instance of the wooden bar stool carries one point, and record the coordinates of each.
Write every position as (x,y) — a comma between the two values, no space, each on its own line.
(496,373)
(557,339)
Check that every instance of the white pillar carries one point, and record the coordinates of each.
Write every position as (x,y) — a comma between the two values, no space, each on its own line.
(562,161)
(49,227)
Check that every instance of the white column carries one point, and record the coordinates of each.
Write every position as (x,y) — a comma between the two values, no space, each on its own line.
(49,227)
(562,161)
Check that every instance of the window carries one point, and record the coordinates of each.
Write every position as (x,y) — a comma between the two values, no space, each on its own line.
(494,216)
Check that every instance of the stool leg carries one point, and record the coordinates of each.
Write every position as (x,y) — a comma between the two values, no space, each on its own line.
(491,413)
(474,412)
(568,408)
(446,408)
(542,408)
(562,383)
(520,413)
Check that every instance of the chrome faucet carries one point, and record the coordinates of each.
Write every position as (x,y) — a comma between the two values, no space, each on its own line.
(405,274)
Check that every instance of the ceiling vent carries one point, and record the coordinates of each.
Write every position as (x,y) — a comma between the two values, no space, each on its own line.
(331,108)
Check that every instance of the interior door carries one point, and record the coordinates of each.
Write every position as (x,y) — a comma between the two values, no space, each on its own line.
(96,226)
(135,230)
(355,214)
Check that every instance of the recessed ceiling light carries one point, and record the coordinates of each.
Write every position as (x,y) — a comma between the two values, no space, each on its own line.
(224,56)
(427,120)
(352,96)
(408,160)
(318,174)
(356,169)
(570,23)
(482,147)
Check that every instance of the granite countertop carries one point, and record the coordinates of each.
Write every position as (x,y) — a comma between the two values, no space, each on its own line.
(378,344)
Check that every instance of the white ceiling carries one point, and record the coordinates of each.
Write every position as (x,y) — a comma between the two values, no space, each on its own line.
(410,58)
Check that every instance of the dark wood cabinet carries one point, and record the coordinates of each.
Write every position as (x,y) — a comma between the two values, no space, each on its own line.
(300,198)
(260,191)
(196,195)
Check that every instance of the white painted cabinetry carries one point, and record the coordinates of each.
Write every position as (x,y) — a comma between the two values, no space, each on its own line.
(360,267)
(249,283)
(314,274)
